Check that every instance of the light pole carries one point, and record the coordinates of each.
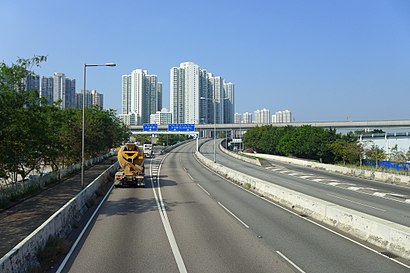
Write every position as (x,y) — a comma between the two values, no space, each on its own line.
(214,102)
(83,118)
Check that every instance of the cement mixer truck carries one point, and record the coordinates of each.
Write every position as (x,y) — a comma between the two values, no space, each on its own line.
(131,169)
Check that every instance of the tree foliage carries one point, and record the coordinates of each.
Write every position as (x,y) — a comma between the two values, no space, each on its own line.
(33,133)
(376,154)
(304,142)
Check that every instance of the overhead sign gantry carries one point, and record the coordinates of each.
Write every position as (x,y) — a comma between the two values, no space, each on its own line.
(173,129)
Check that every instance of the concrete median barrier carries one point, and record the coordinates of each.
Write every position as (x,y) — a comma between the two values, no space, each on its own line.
(391,237)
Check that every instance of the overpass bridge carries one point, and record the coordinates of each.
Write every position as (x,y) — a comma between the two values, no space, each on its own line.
(341,125)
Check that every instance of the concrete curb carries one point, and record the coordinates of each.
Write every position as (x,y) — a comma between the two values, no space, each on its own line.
(387,235)
(23,256)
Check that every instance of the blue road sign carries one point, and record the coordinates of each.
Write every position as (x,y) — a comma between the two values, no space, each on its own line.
(148,127)
(183,127)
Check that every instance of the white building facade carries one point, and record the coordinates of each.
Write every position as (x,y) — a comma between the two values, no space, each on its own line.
(141,97)
(197,95)
(161,117)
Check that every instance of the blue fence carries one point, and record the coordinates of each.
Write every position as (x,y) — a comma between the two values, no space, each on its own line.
(398,166)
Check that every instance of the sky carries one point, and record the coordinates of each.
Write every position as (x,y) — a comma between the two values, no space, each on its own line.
(322,60)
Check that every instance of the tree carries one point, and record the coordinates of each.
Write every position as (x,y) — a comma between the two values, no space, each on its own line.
(33,132)
(396,154)
(375,153)
(20,145)
(347,151)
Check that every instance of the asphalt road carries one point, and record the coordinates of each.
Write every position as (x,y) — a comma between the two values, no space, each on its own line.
(198,222)
(350,192)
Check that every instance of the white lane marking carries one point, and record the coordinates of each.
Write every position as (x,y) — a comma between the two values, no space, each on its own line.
(397,195)
(318,180)
(354,188)
(407,201)
(289,261)
(334,184)
(305,176)
(231,213)
(165,222)
(381,194)
(335,196)
(202,188)
(294,174)
(68,256)
(190,177)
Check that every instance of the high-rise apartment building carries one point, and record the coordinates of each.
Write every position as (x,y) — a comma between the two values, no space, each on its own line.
(59,88)
(237,118)
(216,84)
(247,117)
(229,102)
(141,97)
(69,93)
(282,117)
(32,82)
(126,94)
(185,93)
(196,95)
(262,116)
(46,90)
(92,98)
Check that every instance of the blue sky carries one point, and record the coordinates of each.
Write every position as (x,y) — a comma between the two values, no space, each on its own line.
(323,60)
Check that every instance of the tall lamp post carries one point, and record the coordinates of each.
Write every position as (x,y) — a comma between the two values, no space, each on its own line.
(83,118)
(214,102)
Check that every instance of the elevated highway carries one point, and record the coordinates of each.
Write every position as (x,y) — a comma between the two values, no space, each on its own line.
(342,125)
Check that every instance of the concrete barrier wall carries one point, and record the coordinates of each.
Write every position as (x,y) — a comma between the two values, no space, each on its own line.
(23,256)
(389,236)
(254,161)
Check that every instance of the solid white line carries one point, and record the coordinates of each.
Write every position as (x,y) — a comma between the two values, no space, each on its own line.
(165,222)
(68,256)
(335,196)
(231,213)
(203,189)
(289,261)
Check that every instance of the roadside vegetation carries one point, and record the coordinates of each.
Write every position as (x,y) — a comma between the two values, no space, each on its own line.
(35,134)
(319,144)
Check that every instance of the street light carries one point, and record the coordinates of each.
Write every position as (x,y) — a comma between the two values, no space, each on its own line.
(214,102)
(83,122)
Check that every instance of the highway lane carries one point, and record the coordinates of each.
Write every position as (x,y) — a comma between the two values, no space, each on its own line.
(392,210)
(217,227)
(308,246)
(128,234)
